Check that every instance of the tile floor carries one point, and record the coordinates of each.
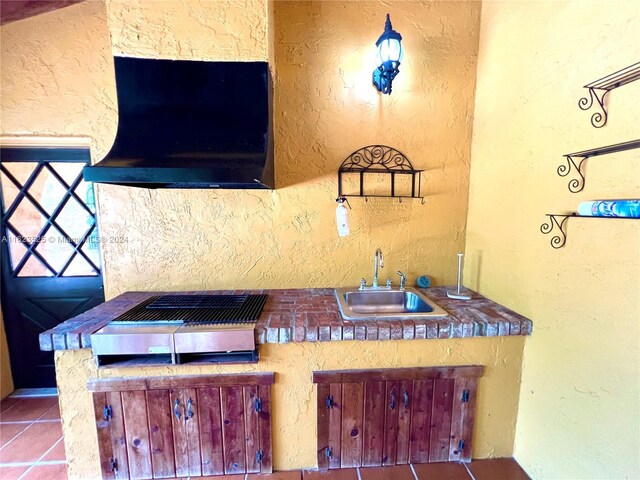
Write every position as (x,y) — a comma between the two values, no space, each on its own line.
(31,445)
(32,448)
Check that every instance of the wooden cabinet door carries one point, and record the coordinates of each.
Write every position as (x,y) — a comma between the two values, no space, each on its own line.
(174,427)
(395,416)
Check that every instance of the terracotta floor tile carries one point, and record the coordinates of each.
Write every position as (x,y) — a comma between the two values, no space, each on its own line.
(32,443)
(56,453)
(52,414)
(339,474)
(28,409)
(10,430)
(441,471)
(47,472)
(12,473)
(292,475)
(7,403)
(399,472)
(497,469)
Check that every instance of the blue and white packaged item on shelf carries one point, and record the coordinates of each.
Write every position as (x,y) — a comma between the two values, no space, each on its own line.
(610,208)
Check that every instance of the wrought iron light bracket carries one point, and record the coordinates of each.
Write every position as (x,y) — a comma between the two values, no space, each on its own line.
(598,91)
(380,159)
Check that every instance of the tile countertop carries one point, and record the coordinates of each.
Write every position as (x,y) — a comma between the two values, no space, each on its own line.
(312,315)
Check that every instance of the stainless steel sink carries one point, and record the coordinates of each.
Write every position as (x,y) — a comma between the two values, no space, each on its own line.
(386,304)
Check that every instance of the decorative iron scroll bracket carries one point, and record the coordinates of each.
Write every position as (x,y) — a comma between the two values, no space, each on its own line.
(598,119)
(380,159)
(557,241)
(577,184)
(598,91)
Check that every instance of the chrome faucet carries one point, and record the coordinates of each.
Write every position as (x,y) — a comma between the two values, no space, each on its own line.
(378,261)
(403,280)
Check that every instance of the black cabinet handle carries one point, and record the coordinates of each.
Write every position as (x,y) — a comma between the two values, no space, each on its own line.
(405,398)
(176,408)
(189,411)
(392,401)
(107,413)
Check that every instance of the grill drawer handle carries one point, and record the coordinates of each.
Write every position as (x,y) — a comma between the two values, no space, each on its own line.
(189,411)
(176,408)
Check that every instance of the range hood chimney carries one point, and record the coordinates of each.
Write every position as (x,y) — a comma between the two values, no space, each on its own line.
(190,124)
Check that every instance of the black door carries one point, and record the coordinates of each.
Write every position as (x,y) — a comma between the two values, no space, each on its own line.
(50,252)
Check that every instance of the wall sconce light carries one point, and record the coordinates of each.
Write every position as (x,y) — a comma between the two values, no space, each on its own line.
(388,58)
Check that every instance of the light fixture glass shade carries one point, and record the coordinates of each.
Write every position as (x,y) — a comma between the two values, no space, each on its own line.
(389,50)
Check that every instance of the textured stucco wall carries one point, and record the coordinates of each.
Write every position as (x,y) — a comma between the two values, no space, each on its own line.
(325,107)
(579,414)
(6,380)
(294,397)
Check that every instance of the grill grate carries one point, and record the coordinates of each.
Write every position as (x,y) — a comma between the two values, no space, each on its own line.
(198,301)
(201,310)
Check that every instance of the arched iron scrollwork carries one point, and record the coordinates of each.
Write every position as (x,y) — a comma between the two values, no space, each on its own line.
(376,156)
(558,240)
(576,184)
(598,119)
(380,159)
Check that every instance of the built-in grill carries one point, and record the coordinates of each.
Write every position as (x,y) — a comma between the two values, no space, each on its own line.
(196,309)
(183,326)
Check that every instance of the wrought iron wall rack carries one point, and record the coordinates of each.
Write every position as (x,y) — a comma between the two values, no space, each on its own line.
(380,159)
(598,91)
(577,184)
(558,240)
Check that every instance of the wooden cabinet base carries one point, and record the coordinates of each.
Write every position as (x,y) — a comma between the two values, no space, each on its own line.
(175,427)
(395,416)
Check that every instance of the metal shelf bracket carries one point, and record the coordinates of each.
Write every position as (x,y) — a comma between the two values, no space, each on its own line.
(598,91)
(557,241)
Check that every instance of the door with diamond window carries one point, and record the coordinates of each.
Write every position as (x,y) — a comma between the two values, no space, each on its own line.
(50,252)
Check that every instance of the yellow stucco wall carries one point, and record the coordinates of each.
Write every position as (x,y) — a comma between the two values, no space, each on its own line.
(325,107)
(6,380)
(294,397)
(579,414)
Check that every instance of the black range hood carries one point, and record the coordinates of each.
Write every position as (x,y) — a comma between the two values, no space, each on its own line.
(190,124)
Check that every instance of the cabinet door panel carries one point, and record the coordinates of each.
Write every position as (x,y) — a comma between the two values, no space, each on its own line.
(441,420)
(233,433)
(180,440)
(134,407)
(111,437)
(464,411)
(404,421)
(392,405)
(420,421)
(352,410)
(266,466)
(161,434)
(373,424)
(192,431)
(209,420)
(252,432)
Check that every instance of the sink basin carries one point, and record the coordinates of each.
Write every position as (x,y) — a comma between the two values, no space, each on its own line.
(386,304)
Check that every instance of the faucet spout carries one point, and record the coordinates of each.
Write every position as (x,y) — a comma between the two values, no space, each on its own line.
(378,262)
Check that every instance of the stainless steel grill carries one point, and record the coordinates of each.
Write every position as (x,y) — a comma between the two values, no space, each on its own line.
(182,326)
(196,310)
